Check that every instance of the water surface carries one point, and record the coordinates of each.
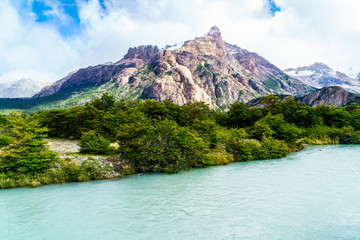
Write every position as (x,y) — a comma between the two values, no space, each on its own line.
(312,194)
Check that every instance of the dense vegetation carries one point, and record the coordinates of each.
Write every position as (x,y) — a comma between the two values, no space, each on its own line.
(156,136)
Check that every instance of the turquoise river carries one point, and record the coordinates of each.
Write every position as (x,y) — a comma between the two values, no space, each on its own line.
(312,194)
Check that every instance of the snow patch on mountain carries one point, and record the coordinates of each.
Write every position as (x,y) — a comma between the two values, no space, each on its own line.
(320,75)
(175,46)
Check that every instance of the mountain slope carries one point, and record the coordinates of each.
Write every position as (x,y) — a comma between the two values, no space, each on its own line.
(320,75)
(22,88)
(331,96)
(335,96)
(204,69)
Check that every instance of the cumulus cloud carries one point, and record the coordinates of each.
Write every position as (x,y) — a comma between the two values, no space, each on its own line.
(304,31)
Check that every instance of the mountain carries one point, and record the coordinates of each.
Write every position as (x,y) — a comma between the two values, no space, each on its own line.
(204,69)
(320,75)
(22,88)
(357,77)
(335,96)
(332,96)
(100,74)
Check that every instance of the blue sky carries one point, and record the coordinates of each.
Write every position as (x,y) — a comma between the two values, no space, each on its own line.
(46,13)
(46,39)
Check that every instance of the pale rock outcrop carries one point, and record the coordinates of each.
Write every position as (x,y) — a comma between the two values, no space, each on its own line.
(335,96)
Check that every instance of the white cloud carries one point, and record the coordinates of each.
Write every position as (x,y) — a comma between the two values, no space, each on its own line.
(303,32)
(36,49)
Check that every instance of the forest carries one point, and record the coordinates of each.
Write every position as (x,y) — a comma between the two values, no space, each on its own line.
(163,137)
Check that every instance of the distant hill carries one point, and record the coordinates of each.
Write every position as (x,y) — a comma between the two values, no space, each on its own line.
(320,75)
(22,88)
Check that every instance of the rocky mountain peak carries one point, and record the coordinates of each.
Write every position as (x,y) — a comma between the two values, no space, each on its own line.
(334,95)
(204,69)
(319,66)
(214,32)
(142,52)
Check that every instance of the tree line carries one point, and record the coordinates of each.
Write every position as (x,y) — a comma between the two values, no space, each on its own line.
(154,136)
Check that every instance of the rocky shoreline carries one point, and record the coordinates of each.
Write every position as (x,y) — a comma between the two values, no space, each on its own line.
(69,150)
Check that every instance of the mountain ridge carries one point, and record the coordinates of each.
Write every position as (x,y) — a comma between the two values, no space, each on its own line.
(203,69)
(22,88)
(331,96)
(320,75)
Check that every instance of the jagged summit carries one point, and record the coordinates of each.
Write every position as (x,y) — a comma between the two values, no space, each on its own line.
(214,32)
(320,66)
(142,52)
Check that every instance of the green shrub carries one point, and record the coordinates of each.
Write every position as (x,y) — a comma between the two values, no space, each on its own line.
(160,147)
(26,160)
(71,171)
(217,157)
(348,135)
(93,143)
(205,74)
(28,154)
(4,141)
(199,68)
(273,148)
(94,169)
(244,150)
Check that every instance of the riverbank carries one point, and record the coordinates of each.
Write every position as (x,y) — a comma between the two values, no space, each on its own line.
(86,167)
(160,137)
(72,166)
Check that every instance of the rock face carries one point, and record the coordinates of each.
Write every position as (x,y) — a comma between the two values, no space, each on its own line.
(97,75)
(204,69)
(320,75)
(142,53)
(331,96)
(22,88)
(335,96)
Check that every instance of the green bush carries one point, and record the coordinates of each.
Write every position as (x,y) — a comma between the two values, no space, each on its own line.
(4,141)
(218,157)
(93,143)
(199,67)
(93,169)
(28,154)
(251,149)
(26,160)
(348,135)
(244,149)
(160,147)
(273,148)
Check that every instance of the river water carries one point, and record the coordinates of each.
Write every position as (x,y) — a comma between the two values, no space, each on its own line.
(312,194)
